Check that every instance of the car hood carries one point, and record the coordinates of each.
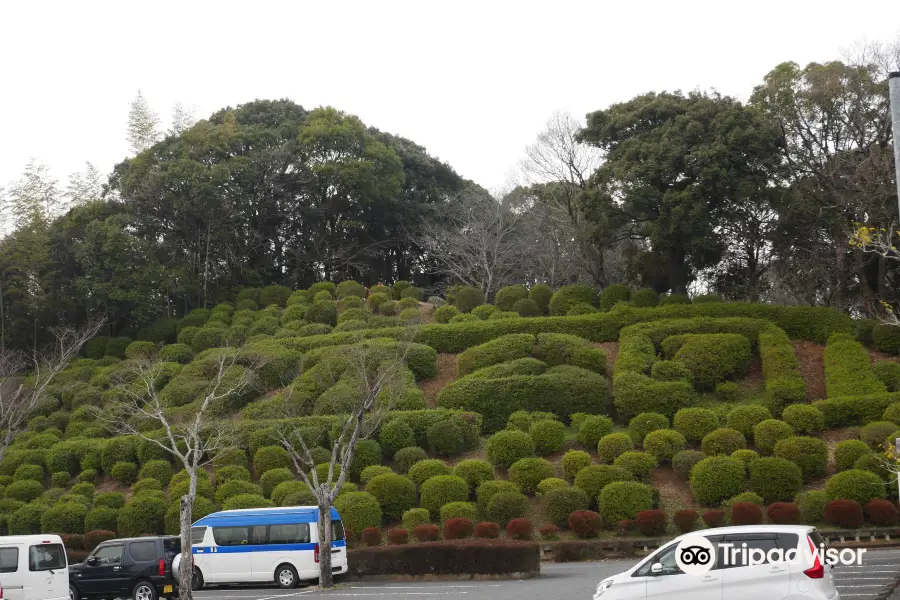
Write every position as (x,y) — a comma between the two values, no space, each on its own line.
(76,567)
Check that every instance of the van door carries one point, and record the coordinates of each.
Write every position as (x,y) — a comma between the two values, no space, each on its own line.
(339,545)
(229,559)
(12,576)
(767,580)
(286,543)
(49,573)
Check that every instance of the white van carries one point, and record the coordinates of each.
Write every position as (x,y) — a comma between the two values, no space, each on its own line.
(673,571)
(264,545)
(33,567)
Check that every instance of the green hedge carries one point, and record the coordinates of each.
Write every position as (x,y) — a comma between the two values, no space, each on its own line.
(636,393)
(745,418)
(527,473)
(781,370)
(623,500)
(695,423)
(717,478)
(507,446)
(358,511)
(855,410)
(775,479)
(557,504)
(855,484)
(552,349)
(848,369)
(808,453)
(886,338)
(712,358)
(396,494)
(440,490)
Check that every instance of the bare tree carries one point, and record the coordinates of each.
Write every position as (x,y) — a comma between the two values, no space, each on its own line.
(21,396)
(373,376)
(188,436)
(478,241)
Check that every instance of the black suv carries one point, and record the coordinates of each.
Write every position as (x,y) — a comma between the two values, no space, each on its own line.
(138,568)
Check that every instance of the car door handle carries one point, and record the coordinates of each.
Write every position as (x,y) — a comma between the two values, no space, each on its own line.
(777,570)
(117,568)
(335,550)
(710,579)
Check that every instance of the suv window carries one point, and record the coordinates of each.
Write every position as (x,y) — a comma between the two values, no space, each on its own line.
(108,555)
(142,551)
(46,557)
(9,560)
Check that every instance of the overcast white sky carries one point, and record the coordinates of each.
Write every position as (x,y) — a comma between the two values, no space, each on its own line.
(473,82)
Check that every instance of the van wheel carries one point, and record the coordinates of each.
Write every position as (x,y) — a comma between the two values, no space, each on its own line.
(286,577)
(196,580)
(144,591)
(73,593)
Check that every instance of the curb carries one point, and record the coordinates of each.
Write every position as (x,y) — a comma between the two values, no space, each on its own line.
(460,577)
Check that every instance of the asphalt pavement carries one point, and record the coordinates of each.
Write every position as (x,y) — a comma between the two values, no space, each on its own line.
(570,581)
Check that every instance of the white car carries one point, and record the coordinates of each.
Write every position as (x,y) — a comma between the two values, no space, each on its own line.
(736,573)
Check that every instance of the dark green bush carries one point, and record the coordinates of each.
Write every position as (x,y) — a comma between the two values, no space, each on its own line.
(125,472)
(467,298)
(446,438)
(775,479)
(502,349)
(613,294)
(548,436)
(445,313)
(886,338)
(322,312)
(542,295)
(892,413)
(24,490)
(716,478)
(804,418)
(369,472)
(527,473)
(368,453)
(506,447)
(639,464)
(611,446)
(147,484)
(110,500)
(245,501)
(116,346)
(568,296)
(405,458)
(664,444)
(272,478)
(29,471)
(293,493)
(458,510)
(644,298)
(848,369)
(270,457)
(767,433)
(67,517)
(145,514)
(179,353)
(811,505)
(593,478)
(684,461)
(558,504)
(645,423)
(712,358)
(208,337)
(140,350)
(695,423)
(623,500)
(119,449)
(159,470)
(854,484)
(810,454)
(506,506)
(60,479)
(723,441)
(745,418)
(670,370)
(396,435)
(424,470)
(487,490)
(474,471)
(438,491)
(507,296)
(745,456)
(395,494)
(236,487)
(27,519)
(550,483)
(854,410)
(636,393)
(484,311)
(592,429)
(888,372)
(526,307)
(101,518)
(877,433)
(574,461)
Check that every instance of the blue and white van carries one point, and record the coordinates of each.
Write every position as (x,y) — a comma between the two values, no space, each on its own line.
(263,545)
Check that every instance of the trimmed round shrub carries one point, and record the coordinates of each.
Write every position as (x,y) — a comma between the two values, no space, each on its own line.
(541,294)
(324,312)
(581,309)
(148,484)
(881,513)
(101,518)
(271,457)
(293,489)
(350,288)
(424,470)
(585,523)
(488,489)
(854,484)
(506,506)
(613,445)
(159,470)
(235,487)
(484,311)
(808,453)
(507,296)
(474,471)
(593,478)
(368,453)
(623,500)
(245,501)
(140,350)
(745,456)
(370,536)
(695,423)
(645,423)
(526,307)
(874,463)
(639,464)
(446,438)
(644,298)
(885,338)
(669,370)
(746,513)
(713,357)
(551,483)
(458,528)
(466,298)
(574,461)
(110,500)
(875,434)
(272,478)
(440,490)
(613,294)
(397,536)
(664,444)
(60,479)
(775,479)
(728,391)
(651,522)
(27,519)
(405,458)
(548,436)
(445,313)
(804,418)
(24,490)
(358,510)
(395,494)
(716,478)
(846,453)
(369,472)
(66,517)
(684,461)
(145,514)
(527,473)
(458,510)
(784,513)
(568,296)
(592,429)
(427,533)
(415,517)
(767,433)
(846,514)
(723,441)
(232,473)
(29,471)
(506,447)
(520,529)
(686,520)
(892,413)
(745,418)
(811,505)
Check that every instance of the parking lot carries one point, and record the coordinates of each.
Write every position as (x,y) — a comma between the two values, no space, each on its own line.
(879,571)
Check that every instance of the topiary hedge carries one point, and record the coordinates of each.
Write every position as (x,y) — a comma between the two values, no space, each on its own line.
(811,505)
(503,507)
(568,296)
(643,424)
(664,444)
(506,447)
(145,514)
(767,433)
(775,479)
(358,510)
(474,471)
(695,423)
(527,473)
(879,433)
(808,453)
(557,504)
(621,500)
(613,445)
(489,489)
(438,491)
(712,358)
(639,464)
(745,418)
(423,470)
(847,452)
(804,418)
(860,486)
(848,369)
(395,494)
(636,393)
(723,441)
(886,338)
(683,462)
(716,478)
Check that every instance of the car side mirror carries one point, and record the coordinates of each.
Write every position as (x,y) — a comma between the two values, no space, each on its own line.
(656,569)
(91,561)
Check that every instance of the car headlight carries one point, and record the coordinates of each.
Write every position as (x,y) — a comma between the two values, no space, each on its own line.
(604,585)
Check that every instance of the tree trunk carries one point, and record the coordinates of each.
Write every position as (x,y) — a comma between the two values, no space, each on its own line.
(186,568)
(325,579)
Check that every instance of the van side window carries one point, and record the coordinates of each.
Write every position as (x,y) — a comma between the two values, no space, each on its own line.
(142,551)
(231,536)
(9,560)
(197,535)
(337,531)
(46,557)
(296,533)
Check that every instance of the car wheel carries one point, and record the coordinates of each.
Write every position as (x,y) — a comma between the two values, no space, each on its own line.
(286,577)
(73,593)
(196,580)
(144,591)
